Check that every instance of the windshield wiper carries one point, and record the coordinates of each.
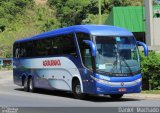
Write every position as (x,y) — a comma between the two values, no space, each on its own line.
(115,66)
(101,71)
(124,60)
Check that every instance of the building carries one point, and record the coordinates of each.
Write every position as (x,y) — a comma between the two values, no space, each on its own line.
(133,18)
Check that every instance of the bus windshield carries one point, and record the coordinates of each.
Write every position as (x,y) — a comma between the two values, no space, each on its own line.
(117,55)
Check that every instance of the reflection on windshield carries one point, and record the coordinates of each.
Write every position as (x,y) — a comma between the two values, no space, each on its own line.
(117,55)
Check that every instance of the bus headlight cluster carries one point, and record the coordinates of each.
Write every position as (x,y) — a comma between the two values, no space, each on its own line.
(105,82)
(100,80)
(138,80)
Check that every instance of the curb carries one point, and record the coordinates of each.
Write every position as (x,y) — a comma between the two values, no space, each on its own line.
(143,96)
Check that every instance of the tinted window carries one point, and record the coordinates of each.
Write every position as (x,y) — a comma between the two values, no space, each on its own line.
(28,50)
(84,49)
(67,44)
(19,50)
(58,45)
(16,50)
(41,47)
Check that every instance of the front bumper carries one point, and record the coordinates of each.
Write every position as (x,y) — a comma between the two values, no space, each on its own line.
(118,85)
(104,89)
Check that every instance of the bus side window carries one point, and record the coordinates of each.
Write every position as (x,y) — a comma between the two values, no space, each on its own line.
(55,45)
(40,48)
(68,46)
(87,58)
(84,49)
(16,50)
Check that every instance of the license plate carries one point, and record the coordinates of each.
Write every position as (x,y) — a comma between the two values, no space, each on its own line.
(122,89)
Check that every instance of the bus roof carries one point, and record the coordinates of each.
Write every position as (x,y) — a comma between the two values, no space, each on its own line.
(99,30)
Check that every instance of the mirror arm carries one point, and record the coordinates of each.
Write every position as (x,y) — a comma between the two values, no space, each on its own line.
(144,46)
(92,46)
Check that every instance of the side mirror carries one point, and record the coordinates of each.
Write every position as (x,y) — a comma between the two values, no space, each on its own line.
(144,46)
(92,46)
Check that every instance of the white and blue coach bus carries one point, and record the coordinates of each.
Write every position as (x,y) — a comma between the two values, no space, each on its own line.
(83,59)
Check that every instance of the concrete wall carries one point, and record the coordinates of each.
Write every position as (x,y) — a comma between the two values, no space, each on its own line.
(156,31)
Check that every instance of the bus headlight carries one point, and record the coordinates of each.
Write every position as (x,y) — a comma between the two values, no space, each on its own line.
(102,81)
(138,80)
(106,82)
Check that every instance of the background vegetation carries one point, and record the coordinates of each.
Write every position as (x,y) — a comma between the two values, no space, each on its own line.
(24,18)
(151,71)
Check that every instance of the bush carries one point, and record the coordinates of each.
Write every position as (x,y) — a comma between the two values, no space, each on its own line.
(151,70)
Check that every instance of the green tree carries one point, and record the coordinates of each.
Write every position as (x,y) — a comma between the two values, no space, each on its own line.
(10,8)
(112,3)
(72,12)
(31,20)
(151,69)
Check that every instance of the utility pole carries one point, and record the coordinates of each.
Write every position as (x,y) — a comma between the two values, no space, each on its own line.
(149,22)
(100,15)
(149,26)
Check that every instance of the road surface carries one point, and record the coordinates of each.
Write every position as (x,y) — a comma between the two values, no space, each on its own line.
(14,96)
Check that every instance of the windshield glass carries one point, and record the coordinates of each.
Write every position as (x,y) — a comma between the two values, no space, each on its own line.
(117,55)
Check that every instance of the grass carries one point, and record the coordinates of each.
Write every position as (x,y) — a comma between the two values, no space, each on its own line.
(151,92)
(6,68)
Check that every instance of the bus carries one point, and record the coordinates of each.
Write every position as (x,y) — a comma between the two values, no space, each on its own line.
(82,59)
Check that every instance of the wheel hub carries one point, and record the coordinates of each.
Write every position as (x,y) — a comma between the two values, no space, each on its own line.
(78,89)
(30,85)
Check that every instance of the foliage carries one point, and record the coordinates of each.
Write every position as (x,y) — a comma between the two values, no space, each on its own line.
(46,19)
(10,8)
(113,3)
(91,18)
(73,12)
(31,22)
(151,69)
(69,12)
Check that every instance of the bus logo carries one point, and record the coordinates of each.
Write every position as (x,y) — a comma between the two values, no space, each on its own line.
(51,63)
(122,84)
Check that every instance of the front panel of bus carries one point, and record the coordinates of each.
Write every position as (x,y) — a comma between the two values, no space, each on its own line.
(116,66)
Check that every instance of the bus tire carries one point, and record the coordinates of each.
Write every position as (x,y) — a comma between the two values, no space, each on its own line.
(76,88)
(31,85)
(116,96)
(26,85)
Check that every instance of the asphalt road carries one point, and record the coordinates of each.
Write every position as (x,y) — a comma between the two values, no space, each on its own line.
(14,96)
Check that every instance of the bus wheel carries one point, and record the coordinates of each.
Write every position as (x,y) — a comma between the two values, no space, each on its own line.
(31,85)
(26,86)
(77,92)
(116,96)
